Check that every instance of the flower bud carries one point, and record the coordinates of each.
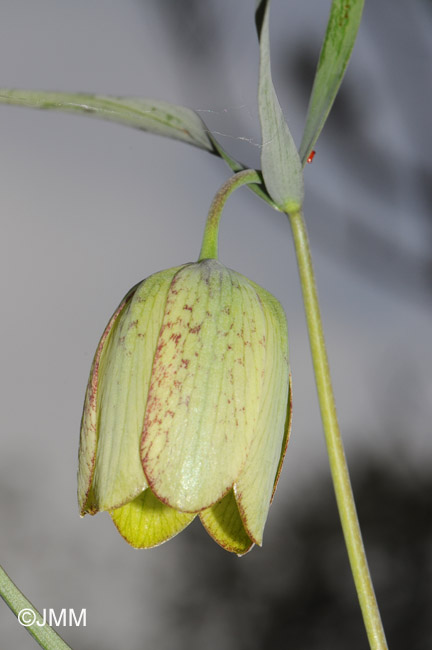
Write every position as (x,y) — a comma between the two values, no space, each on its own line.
(186,410)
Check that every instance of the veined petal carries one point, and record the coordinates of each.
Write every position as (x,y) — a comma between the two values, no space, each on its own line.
(222,521)
(254,487)
(206,381)
(121,393)
(146,522)
(287,434)
(88,437)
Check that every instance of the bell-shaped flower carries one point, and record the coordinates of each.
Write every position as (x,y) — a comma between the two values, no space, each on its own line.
(187,408)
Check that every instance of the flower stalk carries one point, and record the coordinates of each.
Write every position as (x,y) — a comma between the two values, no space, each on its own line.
(24,610)
(209,248)
(336,454)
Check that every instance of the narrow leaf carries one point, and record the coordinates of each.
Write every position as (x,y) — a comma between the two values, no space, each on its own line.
(154,116)
(342,27)
(157,117)
(280,161)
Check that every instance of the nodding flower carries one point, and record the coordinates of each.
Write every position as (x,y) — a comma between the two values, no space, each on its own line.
(187,411)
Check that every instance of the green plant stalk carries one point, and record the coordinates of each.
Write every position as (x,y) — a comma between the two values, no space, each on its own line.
(338,464)
(237,166)
(44,634)
(209,248)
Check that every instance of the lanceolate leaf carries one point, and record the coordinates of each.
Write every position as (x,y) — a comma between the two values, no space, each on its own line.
(342,27)
(157,117)
(154,116)
(280,161)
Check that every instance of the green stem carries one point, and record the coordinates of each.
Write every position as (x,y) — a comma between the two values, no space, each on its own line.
(237,166)
(43,633)
(209,248)
(338,464)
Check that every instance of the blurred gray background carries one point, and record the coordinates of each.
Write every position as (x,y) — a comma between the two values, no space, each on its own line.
(89,208)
